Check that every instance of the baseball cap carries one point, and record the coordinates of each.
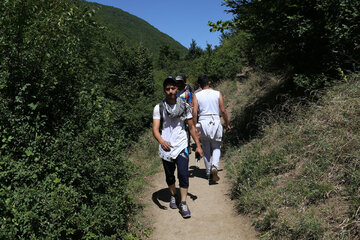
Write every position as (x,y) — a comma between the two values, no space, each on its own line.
(180,78)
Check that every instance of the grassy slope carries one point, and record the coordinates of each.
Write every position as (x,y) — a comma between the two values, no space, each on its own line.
(300,179)
(134,30)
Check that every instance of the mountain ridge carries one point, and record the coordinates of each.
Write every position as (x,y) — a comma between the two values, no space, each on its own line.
(134,30)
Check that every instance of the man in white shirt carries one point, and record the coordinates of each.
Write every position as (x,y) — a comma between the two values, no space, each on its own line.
(210,108)
(169,130)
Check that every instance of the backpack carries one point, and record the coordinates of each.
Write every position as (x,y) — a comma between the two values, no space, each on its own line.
(189,91)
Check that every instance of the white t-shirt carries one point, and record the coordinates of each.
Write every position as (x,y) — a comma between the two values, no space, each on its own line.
(208,102)
(173,131)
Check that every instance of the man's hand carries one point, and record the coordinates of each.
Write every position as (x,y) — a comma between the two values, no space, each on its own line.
(199,150)
(228,128)
(165,145)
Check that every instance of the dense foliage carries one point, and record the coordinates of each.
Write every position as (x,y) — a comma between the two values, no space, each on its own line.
(70,103)
(219,63)
(315,39)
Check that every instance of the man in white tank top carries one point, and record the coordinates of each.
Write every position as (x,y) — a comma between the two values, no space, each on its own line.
(210,108)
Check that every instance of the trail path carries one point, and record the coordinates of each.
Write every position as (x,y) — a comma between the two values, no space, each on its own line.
(212,212)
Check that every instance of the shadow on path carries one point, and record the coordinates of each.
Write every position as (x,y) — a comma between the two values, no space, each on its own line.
(197,172)
(164,196)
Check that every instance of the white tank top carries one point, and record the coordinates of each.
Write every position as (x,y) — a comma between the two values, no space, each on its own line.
(208,102)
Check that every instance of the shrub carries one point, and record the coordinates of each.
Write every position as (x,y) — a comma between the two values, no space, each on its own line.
(63,170)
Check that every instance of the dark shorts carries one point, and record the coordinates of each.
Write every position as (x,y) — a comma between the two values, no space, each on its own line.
(182,163)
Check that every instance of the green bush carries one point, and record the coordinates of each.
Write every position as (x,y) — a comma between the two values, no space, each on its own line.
(306,37)
(63,169)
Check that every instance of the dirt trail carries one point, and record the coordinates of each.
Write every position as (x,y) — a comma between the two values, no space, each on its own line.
(212,212)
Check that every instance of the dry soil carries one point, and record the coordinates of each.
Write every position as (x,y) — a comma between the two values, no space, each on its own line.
(213,215)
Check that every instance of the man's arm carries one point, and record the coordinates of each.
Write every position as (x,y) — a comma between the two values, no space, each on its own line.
(195,109)
(155,129)
(224,113)
(192,130)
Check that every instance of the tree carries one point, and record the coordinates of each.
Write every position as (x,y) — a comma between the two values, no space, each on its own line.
(194,51)
(167,56)
(310,36)
(208,50)
(130,85)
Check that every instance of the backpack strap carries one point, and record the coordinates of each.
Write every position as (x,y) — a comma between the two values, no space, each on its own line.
(187,95)
(190,88)
(161,108)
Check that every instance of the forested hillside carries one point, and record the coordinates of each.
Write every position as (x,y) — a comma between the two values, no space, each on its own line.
(134,30)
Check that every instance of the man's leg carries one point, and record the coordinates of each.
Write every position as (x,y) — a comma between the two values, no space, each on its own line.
(205,143)
(216,153)
(183,192)
(169,168)
(215,146)
(182,162)
(172,189)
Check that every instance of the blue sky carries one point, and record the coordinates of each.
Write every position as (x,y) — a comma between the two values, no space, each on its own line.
(183,20)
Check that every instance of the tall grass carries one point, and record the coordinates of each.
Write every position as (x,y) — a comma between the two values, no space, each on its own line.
(301,178)
(145,161)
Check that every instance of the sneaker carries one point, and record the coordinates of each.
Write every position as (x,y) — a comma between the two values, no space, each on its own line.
(184,210)
(214,173)
(172,203)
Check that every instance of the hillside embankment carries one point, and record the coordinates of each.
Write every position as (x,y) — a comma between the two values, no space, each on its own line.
(297,174)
